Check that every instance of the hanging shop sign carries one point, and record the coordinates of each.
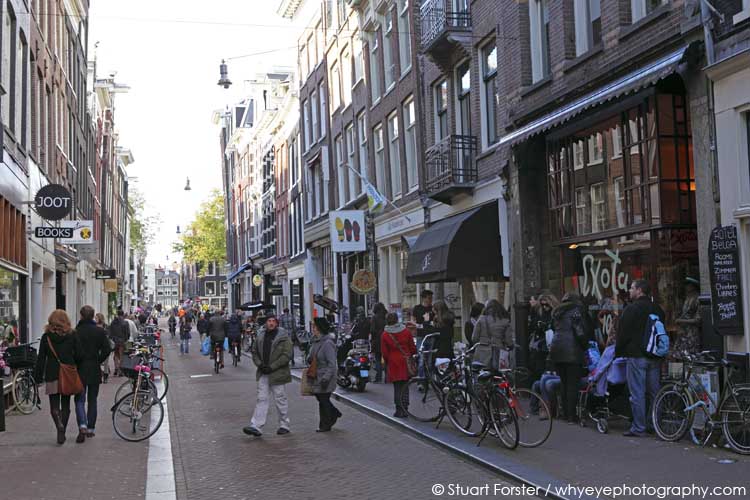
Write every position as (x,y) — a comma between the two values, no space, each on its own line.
(364,281)
(110,286)
(103,274)
(348,231)
(69,232)
(275,290)
(726,291)
(53,202)
(257,280)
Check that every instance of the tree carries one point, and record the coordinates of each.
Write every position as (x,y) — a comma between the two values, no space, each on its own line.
(204,241)
(142,227)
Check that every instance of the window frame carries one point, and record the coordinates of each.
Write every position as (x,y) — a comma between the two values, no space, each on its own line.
(441,103)
(411,144)
(394,156)
(378,142)
(488,103)
(539,39)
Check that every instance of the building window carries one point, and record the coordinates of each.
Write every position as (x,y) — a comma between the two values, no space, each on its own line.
(641,8)
(539,38)
(341,173)
(489,93)
(308,134)
(582,212)
(598,208)
(210,288)
(314,112)
(211,270)
(374,67)
(351,165)
(620,201)
(377,135)
(441,111)
(320,47)
(335,87)
(588,25)
(463,95)
(389,61)
(359,58)
(10,65)
(303,60)
(410,128)
(363,160)
(323,111)
(394,154)
(346,77)
(404,35)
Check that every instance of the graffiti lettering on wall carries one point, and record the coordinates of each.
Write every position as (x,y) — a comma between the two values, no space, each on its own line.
(601,275)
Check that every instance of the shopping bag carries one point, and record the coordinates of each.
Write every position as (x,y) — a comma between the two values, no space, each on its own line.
(206,346)
(305,385)
(226,344)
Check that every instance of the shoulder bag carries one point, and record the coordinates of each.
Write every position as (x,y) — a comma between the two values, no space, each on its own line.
(411,363)
(68,381)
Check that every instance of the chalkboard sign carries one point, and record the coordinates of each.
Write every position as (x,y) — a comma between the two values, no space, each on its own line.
(726,290)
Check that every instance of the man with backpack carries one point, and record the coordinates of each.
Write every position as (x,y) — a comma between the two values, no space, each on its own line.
(643,367)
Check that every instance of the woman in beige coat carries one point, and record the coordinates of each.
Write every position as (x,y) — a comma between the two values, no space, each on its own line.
(493,333)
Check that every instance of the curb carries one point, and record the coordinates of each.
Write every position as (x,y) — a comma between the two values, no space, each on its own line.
(547,490)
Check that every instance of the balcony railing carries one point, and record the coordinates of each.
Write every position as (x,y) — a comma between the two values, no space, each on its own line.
(440,17)
(451,167)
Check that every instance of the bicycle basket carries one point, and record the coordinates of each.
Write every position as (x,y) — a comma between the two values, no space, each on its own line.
(20,357)
(128,364)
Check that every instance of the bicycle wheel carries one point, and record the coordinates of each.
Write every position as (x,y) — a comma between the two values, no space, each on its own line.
(125,388)
(534,422)
(463,411)
(669,413)
(137,416)
(421,401)
(735,415)
(161,388)
(503,420)
(25,392)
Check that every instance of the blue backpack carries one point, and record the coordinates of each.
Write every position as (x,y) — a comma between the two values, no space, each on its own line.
(655,338)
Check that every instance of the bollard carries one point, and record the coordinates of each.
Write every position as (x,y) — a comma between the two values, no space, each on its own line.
(2,404)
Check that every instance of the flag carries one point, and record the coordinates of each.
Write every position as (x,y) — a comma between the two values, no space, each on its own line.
(375,201)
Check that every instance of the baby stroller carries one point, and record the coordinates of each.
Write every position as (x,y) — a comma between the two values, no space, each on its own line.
(605,395)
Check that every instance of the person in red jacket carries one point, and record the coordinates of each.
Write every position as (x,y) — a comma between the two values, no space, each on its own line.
(397,343)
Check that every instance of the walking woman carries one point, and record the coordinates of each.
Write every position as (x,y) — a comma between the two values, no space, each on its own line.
(58,344)
(102,323)
(379,313)
(397,345)
(494,335)
(322,361)
(444,321)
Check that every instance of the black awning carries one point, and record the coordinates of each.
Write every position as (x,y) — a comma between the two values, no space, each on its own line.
(466,245)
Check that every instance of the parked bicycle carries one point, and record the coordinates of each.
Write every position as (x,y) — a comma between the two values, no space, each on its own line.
(24,390)
(678,404)
(139,414)
(143,355)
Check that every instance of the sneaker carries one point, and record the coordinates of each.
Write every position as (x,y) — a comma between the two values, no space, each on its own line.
(282,431)
(90,433)
(252,431)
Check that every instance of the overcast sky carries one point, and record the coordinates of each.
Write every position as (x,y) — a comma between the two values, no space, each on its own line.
(168,52)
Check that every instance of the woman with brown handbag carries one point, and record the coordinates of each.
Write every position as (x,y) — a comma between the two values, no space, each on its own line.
(398,348)
(58,350)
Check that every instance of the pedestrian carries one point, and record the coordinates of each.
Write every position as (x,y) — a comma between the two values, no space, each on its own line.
(397,345)
(361,329)
(539,322)
(476,311)
(424,316)
(57,345)
(272,353)
(102,323)
(322,361)
(568,350)
(185,335)
(234,330)
(443,325)
(217,330)
(288,322)
(119,332)
(132,327)
(494,334)
(172,324)
(642,372)
(378,324)
(202,326)
(94,349)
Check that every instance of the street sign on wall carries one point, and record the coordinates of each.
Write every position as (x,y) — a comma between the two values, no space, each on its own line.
(53,202)
(69,232)
(102,274)
(348,231)
(726,281)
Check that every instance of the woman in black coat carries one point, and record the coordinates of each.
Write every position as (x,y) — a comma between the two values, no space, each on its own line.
(444,321)
(58,342)
(93,351)
(376,333)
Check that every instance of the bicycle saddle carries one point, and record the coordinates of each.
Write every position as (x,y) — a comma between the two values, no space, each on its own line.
(484,376)
(477,366)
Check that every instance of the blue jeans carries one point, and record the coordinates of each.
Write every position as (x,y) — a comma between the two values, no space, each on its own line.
(184,345)
(86,419)
(643,383)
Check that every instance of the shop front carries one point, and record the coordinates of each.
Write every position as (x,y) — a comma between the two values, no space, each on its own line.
(13,275)
(621,204)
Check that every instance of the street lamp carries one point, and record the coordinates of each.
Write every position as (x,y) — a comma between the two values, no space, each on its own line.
(223,78)
(187,185)
(178,232)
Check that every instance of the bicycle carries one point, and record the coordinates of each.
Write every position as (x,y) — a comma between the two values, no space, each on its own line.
(139,414)
(423,395)
(675,406)
(24,389)
(236,355)
(143,354)
(218,348)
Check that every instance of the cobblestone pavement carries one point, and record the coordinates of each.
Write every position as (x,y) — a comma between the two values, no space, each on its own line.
(34,467)
(361,458)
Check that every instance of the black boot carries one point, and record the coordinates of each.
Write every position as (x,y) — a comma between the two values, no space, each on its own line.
(58,425)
